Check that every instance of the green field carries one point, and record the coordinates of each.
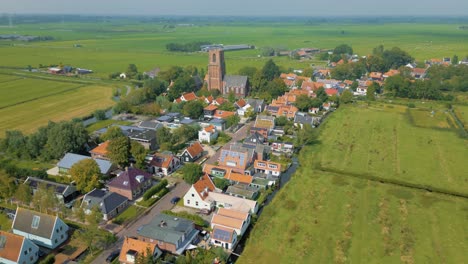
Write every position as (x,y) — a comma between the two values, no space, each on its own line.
(110,47)
(381,141)
(343,217)
(44,101)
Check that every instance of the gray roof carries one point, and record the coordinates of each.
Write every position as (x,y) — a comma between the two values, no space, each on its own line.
(167,228)
(59,188)
(107,201)
(24,220)
(235,80)
(165,118)
(242,190)
(304,118)
(187,121)
(145,135)
(70,159)
(255,102)
(150,125)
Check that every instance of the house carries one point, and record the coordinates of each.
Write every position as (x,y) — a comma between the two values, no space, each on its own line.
(237,157)
(302,119)
(314,110)
(210,111)
(331,91)
(238,178)
(169,233)
(222,200)
(15,249)
(146,137)
(192,152)
(165,119)
(219,101)
(255,105)
(151,125)
(221,114)
(132,249)
(198,192)
(288,111)
(376,76)
(390,73)
(187,97)
(131,183)
(64,192)
(220,124)
(361,90)
(42,229)
(253,140)
(164,163)
(123,75)
(243,191)
(285,147)
(264,121)
(418,73)
(71,159)
(264,132)
(110,204)
(224,237)
(208,134)
(268,167)
(326,106)
(100,152)
(231,218)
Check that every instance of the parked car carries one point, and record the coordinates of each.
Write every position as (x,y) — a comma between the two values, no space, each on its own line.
(175,199)
(112,256)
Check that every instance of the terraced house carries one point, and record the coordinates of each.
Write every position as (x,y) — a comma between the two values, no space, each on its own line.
(16,249)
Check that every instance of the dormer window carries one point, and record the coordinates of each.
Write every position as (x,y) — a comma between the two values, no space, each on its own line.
(35,222)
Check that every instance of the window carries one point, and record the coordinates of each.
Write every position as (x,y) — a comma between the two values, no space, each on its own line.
(193,195)
(213,59)
(35,221)
(196,203)
(61,236)
(29,249)
(56,241)
(25,252)
(61,228)
(188,201)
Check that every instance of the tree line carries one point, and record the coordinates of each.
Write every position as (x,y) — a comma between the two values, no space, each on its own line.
(186,47)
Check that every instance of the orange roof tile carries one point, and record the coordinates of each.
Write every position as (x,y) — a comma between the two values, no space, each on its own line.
(220,100)
(204,185)
(162,160)
(210,129)
(237,177)
(227,221)
(331,91)
(195,149)
(223,114)
(12,247)
(137,245)
(233,213)
(189,96)
(211,107)
(101,149)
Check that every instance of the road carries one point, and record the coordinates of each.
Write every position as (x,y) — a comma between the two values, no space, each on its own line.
(131,230)
(239,135)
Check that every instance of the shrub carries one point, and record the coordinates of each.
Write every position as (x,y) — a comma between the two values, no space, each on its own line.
(411,105)
(155,189)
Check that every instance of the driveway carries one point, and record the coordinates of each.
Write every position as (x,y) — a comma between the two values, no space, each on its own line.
(131,230)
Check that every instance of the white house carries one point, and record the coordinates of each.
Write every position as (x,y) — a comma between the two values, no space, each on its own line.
(16,249)
(208,134)
(232,202)
(229,218)
(268,167)
(361,90)
(224,237)
(255,105)
(44,230)
(164,163)
(123,75)
(196,196)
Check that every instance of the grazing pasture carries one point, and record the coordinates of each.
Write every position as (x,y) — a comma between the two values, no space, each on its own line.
(66,105)
(321,217)
(393,142)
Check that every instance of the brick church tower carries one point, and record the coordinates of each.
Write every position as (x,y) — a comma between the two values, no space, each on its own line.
(216,69)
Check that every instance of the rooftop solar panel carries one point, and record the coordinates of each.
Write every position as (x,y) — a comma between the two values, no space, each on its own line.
(221,235)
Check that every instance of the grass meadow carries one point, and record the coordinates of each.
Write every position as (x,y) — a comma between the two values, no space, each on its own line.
(110,47)
(47,101)
(329,213)
(394,142)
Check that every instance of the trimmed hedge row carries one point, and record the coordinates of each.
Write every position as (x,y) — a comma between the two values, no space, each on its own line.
(155,189)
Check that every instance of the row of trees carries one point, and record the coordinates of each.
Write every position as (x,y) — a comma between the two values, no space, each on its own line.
(47,143)
(186,47)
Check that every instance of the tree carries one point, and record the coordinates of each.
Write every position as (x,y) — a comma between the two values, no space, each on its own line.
(100,115)
(281,121)
(95,216)
(112,132)
(86,175)
(163,135)
(270,70)
(343,49)
(303,102)
(78,211)
(248,71)
(65,137)
(7,186)
(346,97)
(192,172)
(455,60)
(153,88)
(36,142)
(395,58)
(138,153)
(118,151)
(305,136)
(193,109)
(44,198)
(354,86)
(132,71)
(370,94)
(23,194)
(322,95)
(221,183)
(232,120)
(14,144)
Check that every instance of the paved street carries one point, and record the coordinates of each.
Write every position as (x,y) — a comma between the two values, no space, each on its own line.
(238,136)
(131,230)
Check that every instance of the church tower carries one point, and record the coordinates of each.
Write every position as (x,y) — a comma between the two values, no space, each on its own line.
(216,69)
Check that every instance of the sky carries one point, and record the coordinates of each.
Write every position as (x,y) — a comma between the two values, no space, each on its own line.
(310,8)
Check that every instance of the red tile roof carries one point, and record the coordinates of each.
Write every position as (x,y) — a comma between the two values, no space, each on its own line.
(331,91)
(162,160)
(195,149)
(12,248)
(211,107)
(204,185)
(237,177)
(223,114)
(241,103)
(189,96)
(101,149)
(139,246)
(210,129)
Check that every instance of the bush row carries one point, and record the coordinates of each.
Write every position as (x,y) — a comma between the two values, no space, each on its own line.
(155,189)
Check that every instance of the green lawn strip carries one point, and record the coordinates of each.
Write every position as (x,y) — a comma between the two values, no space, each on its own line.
(5,222)
(129,214)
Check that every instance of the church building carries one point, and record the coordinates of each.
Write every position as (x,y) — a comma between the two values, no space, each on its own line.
(218,80)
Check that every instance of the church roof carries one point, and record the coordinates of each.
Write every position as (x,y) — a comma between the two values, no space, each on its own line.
(235,81)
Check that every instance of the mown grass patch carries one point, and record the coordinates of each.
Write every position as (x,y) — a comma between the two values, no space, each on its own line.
(129,214)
